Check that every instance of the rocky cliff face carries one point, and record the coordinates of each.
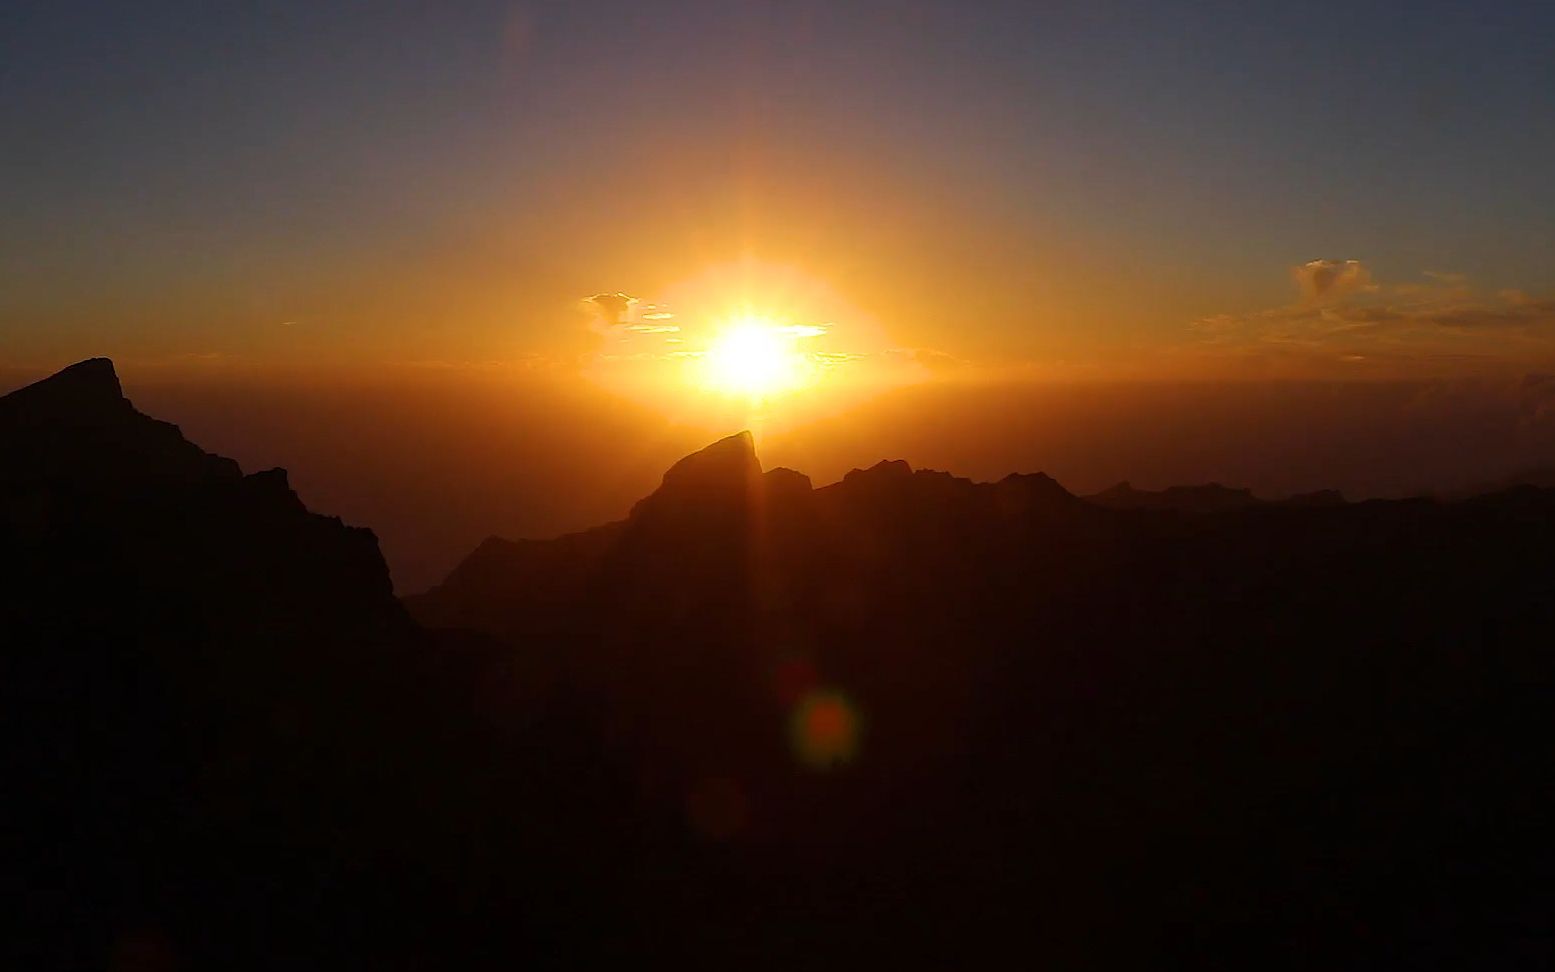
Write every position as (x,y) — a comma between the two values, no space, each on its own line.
(105,504)
(76,431)
(914,701)
(200,676)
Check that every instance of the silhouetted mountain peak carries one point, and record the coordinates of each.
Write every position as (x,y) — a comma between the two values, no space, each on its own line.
(1035,487)
(782,481)
(77,428)
(882,471)
(84,387)
(1036,481)
(81,461)
(726,472)
(275,486)
(1208,498)
(730,460)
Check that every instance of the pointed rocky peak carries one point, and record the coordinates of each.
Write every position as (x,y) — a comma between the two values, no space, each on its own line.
(76,430)
(84,389)
(729,461)
(725,472)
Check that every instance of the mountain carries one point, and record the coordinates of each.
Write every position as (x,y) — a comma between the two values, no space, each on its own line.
(1542,477)
(1320,497)
(717,512)
(77,431)
(1209,498)
(901,719)
(204,683)
(1303,720)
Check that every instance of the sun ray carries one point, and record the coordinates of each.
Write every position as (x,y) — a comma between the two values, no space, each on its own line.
(756,357)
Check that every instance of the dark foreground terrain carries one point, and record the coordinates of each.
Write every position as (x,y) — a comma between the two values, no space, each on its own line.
(905,719)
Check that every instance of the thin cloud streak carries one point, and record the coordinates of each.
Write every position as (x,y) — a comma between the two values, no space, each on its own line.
(1343,317)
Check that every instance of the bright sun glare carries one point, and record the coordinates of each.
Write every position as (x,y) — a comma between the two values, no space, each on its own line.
(754,356)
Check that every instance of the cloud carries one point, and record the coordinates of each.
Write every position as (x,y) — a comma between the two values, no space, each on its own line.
(928,359)
(631,333)
(1343,316)
(1322,280)
(611,308)
(805,330)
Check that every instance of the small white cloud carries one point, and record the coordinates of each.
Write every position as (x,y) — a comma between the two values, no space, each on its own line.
(805,330)
(611,308)
(1322,280)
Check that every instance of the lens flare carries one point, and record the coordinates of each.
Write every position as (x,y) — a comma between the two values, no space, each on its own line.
(824,730)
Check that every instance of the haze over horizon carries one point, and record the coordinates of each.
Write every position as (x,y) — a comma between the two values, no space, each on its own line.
(434,461)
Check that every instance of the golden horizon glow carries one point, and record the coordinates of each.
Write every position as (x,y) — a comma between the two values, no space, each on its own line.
(760,346)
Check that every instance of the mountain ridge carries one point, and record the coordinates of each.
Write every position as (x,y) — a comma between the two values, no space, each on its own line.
(77,427)
(904,716)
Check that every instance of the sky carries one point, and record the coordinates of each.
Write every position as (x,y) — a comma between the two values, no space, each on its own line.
(1282,245)
(1052,184)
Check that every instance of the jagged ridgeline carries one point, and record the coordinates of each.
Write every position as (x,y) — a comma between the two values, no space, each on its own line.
(900,719)
(229,745)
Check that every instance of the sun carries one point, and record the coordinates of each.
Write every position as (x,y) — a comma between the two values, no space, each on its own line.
(753,356)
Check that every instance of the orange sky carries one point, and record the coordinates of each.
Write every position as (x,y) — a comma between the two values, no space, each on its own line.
(1056,190)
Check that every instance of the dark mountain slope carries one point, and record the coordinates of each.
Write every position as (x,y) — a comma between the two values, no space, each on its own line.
(904,719)
(1209,498)
(77,431)
(1542,477)
(226,741)
(1097,735)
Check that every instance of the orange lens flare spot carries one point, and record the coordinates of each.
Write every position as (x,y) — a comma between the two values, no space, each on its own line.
(825,730)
